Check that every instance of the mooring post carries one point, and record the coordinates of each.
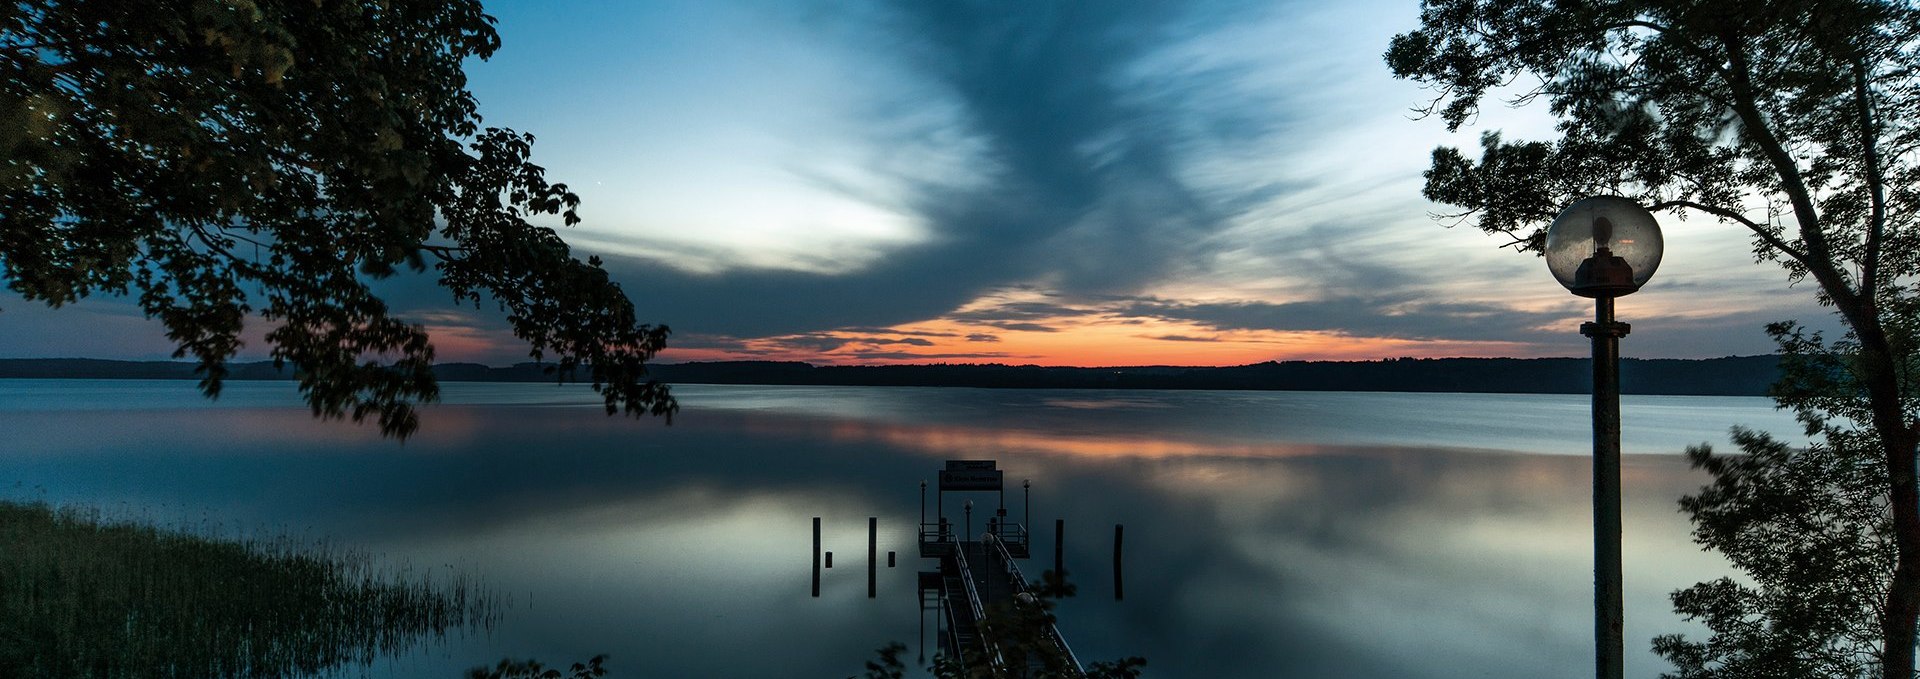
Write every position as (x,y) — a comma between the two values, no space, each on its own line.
(889,558)
(1119,579)
(873,554)
(816,557)
(829,559)
(1059,557)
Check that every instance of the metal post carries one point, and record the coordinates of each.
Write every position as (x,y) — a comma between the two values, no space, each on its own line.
(1608,614)
(1119,579)
(873,553)
(1026,507)
(816,556)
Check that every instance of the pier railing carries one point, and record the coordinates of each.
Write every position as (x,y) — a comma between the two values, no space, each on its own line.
(938,539)
(979,609)
(999,552)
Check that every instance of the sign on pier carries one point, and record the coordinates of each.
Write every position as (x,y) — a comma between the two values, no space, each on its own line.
(970,475)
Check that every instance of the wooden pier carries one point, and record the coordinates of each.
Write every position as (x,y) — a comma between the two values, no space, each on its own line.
(979,580)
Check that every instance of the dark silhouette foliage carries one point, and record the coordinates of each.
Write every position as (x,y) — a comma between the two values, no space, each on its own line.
(1810,528)
(532,669)
(1796,120)
(220,160)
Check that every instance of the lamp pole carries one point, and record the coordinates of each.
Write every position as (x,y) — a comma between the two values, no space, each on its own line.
(1608,602)
(1605,247)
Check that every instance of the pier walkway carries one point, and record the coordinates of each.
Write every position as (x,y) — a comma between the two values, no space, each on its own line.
(979,579)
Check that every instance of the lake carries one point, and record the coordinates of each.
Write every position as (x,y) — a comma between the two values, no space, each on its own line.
(1268,534)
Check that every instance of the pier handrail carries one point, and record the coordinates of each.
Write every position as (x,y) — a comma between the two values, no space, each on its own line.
(979,610)
(1020,585)
(1013,532)
(939,532)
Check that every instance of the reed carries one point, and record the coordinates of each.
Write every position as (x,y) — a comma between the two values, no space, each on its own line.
(82,595)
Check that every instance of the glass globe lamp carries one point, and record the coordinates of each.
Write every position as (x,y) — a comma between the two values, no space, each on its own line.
(1604,246)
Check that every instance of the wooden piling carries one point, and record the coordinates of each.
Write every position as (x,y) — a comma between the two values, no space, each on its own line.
(1060,552)
(816,557)
(1119,579)
(873,553)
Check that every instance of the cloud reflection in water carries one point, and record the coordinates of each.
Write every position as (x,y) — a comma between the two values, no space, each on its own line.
(684,550)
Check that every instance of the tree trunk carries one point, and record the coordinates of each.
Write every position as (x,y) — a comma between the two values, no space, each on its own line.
(1900,613)
(1902,608)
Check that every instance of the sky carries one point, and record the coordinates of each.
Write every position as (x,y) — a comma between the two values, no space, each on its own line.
(1211,182)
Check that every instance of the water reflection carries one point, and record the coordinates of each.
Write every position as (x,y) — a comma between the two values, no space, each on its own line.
(1251,551)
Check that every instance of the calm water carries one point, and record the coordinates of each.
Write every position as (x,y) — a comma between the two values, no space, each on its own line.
(1269,534)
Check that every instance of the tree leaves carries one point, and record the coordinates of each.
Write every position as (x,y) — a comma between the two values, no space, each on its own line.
(1810,530)
(223,160)
(1798,120)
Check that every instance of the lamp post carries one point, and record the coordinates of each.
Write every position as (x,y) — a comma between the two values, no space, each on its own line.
(1604,247)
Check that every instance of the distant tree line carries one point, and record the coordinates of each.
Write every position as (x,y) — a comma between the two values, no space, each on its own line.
(1731,376)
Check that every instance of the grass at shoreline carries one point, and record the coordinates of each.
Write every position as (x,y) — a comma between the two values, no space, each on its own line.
(83,596)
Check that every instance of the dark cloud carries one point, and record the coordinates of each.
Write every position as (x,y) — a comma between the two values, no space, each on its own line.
(891,331)
(1079,181)
(1016,311)
(1400,317)
(982,337)
(1183,338)
(1021,327)
(707,342)
(811,342)
(907,356)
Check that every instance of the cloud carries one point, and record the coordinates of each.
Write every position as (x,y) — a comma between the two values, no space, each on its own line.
(893,331)
(905,356)
(1020,326)
(1083,131)
(1182,338)
(1398,317)
(982,337)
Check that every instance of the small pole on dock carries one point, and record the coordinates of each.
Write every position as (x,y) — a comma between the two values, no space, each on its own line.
(1059,556)
(816,557)
(873,554)
(1119,580)
(1026,506)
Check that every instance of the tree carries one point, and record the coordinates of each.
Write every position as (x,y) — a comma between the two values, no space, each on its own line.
(1798,121)
(1808,526)
(221,158)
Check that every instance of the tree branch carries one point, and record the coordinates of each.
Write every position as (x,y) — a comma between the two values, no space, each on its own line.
(1876,182)
(1819,256)
(1735,216)
(443,252)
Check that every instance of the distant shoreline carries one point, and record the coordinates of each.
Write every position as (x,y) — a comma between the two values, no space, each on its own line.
(1729,376)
